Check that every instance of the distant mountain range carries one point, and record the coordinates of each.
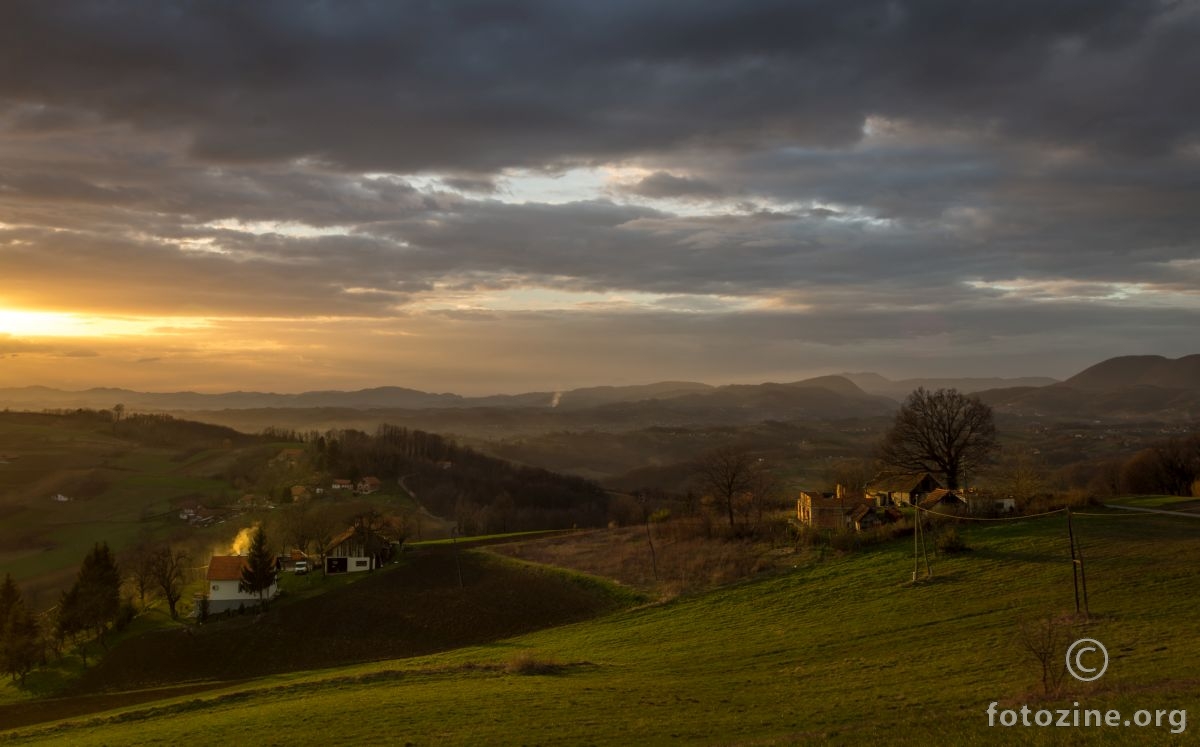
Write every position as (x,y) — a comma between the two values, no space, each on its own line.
(827,396)
(1147,387)
(873,383)
(1125,387)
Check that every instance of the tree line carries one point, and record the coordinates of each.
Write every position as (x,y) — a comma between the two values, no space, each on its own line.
(482,493)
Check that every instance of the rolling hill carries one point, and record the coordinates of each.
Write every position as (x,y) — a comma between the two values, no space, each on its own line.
(875,384)
(837,650)
(1148,387)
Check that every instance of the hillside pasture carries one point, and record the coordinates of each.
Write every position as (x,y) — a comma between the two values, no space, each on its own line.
(845,650)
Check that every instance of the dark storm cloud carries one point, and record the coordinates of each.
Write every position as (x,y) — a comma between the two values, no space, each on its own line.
(482,85)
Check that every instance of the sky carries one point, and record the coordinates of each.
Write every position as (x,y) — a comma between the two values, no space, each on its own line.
(495,196)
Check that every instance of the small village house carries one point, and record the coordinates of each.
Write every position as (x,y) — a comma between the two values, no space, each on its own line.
(830,510)
(225,589)
(360,548)
(342,485)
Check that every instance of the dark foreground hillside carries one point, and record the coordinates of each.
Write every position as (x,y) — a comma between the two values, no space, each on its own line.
(414,608)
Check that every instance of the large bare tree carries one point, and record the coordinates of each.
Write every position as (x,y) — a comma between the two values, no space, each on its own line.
(944,432)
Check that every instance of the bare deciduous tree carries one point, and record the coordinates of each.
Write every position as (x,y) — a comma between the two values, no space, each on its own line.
(944,432)
(169,569)
(1045,638)
(728,474)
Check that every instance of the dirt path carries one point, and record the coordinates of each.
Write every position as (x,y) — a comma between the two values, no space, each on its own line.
(1190,515)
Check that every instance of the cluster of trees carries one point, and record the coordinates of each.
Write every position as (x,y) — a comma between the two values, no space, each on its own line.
(159,568)
(483,493)
(84,612)
(93,601)
(739,484)
(1169,467)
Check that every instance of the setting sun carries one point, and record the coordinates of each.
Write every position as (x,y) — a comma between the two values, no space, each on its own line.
(44,324)
(34,324)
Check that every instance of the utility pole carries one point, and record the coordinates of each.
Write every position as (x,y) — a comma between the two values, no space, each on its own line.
(919,539)
(916,532)
(1077,574)
(925,552)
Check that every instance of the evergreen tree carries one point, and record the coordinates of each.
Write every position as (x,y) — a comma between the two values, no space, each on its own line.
(259,573)
(21,646)
(94,599)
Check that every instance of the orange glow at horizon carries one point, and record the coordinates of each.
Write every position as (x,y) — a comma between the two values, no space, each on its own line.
(36,324)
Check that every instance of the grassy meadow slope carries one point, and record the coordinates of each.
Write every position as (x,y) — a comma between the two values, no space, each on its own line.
(121,482)
(843,650)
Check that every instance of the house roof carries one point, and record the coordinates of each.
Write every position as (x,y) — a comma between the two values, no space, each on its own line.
(371,481)
(941,495)
(339,539)
(831,501)
(226,567)
(903,483)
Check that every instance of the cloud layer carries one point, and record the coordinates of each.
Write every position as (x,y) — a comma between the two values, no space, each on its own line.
(537,194)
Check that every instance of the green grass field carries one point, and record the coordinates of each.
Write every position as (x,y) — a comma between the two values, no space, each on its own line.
(845,651)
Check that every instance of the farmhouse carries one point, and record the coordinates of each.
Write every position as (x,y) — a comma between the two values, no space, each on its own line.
(225,589)
(363,548)
(829,510)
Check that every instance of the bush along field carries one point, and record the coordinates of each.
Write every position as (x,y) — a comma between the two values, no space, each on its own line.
(844,650)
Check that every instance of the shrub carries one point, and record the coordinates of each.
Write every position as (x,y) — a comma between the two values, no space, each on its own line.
(528,662)
(949,542)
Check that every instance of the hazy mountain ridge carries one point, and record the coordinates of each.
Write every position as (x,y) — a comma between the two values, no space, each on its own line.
(1152,387)
(389,397)
(1126,387)
(873,383)
(1140,370)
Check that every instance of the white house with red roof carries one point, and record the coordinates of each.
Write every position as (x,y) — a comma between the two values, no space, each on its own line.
(225,588)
